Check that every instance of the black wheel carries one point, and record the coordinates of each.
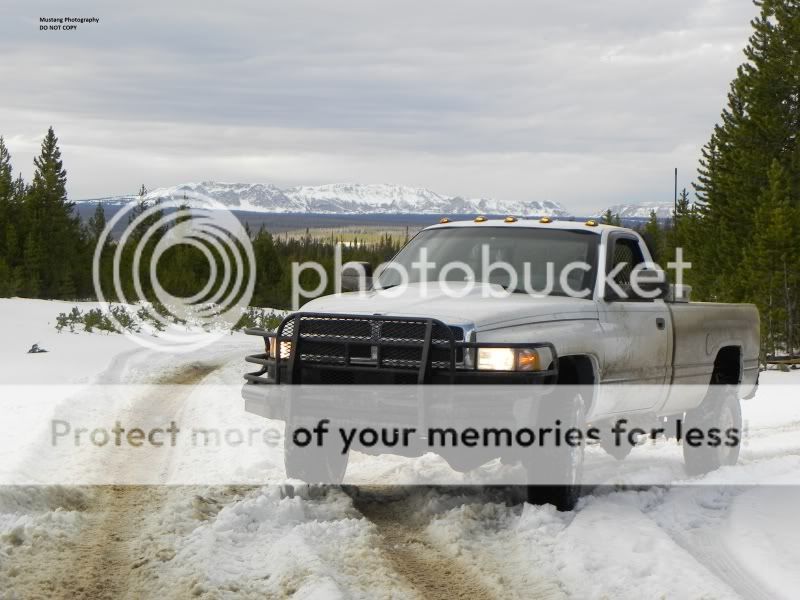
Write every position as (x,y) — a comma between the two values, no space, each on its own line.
(562,463)
(312,463)
(720,410)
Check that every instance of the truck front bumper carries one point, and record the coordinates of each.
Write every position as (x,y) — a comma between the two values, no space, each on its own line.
(314,348)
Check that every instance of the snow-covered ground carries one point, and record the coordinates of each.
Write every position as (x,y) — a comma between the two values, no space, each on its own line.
(725,535)
(87,358)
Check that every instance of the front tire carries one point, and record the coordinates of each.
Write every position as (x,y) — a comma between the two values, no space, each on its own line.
(313,464)
(721,409)
(559,463)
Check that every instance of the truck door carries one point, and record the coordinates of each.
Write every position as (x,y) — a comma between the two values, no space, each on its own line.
(637,334)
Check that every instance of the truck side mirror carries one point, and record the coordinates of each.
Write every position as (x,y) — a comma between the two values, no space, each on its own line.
(356,276)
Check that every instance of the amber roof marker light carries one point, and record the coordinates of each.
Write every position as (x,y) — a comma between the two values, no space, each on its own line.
(545,220)
(591,223)
(444,220)
(480,219)
(510,219)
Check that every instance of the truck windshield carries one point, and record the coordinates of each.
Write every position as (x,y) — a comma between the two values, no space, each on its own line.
(533,260)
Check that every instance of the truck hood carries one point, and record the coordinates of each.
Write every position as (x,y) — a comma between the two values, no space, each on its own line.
(476,307)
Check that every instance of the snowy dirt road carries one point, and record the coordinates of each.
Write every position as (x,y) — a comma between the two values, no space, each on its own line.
(103,558)
(102,565)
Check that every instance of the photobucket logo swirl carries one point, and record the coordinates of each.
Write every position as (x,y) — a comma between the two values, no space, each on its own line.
(199,239)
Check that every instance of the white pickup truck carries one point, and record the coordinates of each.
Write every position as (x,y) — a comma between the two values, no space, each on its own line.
(593,326)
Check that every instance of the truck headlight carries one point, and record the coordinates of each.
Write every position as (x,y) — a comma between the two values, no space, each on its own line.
(496,359)
(514,359)
(286,348)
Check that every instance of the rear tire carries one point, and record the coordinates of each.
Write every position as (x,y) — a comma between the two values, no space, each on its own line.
(721,409)
(608,444)
(561,463)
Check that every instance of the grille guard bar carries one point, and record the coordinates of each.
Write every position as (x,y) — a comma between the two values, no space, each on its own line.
(286,369)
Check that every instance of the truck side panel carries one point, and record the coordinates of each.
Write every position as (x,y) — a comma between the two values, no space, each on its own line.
(701,330)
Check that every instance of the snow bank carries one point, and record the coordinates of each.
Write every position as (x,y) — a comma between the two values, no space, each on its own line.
(312,544)
(82,357)
(761,533)
(70,358)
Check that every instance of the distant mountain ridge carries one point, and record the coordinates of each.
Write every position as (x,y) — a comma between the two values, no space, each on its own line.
(641,210)
(344,198)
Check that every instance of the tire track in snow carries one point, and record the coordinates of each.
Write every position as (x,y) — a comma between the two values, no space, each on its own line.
(705,543)
(102,564)
(430,573)
(104,560)
(433,571)
(709,550)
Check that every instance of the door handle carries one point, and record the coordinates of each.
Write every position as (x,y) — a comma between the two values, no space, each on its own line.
(661,323)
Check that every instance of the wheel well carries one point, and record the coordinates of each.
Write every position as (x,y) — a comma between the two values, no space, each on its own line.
(728,366)
(575,370)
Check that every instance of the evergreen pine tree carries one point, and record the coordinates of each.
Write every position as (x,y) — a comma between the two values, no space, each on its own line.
(53,230)
(758,126)
(654,236)
(6,190)
(97,224)
(7,284)
(610,218)
(14,233)
(32,266)
(94,230)
(681,229)
(770,261)
(144,226)
(7,218)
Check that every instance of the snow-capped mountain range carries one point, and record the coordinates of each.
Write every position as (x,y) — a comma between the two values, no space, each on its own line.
(343,198)
(641,210)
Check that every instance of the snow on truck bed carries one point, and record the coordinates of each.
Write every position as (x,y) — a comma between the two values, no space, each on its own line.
(726,538)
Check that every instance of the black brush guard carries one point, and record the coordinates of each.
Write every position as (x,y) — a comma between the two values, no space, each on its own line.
(416,350)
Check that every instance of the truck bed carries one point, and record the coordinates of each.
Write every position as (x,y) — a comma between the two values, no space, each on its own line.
(702,329)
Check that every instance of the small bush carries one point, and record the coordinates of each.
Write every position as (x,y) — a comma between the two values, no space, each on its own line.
(96,319)
(70,320)
(145,316)
(258,318)
(125,319)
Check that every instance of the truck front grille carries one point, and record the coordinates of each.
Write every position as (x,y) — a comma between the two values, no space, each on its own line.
(382,342)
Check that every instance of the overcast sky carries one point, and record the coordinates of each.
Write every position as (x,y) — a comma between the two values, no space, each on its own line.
(585,103)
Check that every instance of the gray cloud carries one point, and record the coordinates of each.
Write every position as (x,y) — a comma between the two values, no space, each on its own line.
(586,103)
